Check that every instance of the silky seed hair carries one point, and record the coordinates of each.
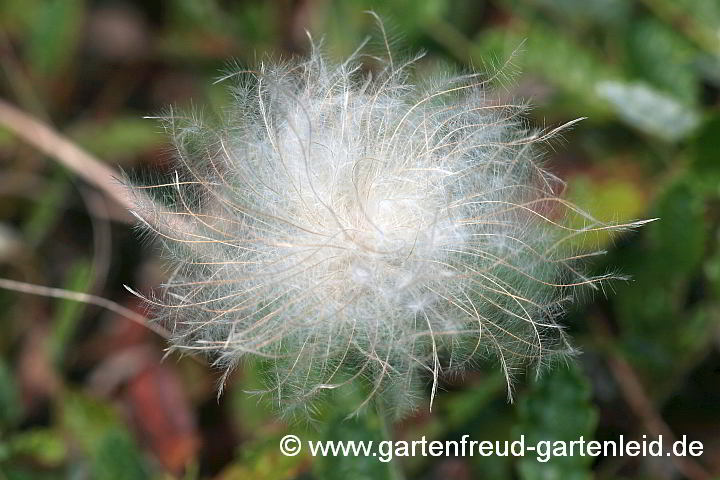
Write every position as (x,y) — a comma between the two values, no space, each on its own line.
(364,231)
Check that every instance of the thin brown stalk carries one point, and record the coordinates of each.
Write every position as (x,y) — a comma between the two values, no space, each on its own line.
(106,179)
(50,142)
(643,407)
(32,289)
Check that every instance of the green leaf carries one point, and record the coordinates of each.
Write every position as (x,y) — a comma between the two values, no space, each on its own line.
(116,457)
(706,154)
(663,267)
(462,407)
(261,459)
(580,73)
(253,25)
(699,20)
(573,68)
(664,58)
(712,271)
(10,403)
(123,136)
(580,15)
(251,412)
(45,213)
(43,445)
(101,434)
(556,408)
(649,110)
(69,312)
(17,15)
(86,419)
(363,428)
(679,235)
(54,35)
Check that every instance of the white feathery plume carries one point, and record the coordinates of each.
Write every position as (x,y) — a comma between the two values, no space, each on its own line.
(356,228)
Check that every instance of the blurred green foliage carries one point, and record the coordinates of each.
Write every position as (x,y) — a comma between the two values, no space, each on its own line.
(646,73)
(556,408)
(100,433)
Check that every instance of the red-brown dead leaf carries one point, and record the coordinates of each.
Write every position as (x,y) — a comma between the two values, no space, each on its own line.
(164,416)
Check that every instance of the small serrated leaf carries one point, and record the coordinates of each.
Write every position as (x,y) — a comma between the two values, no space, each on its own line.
(556,408)
(649,110)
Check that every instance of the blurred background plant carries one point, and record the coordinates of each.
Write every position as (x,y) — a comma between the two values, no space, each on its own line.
(83,393)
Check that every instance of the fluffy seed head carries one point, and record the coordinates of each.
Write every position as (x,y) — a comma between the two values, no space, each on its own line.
(352,228)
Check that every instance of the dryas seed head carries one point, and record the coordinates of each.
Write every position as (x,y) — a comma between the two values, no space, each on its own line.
(344,227)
